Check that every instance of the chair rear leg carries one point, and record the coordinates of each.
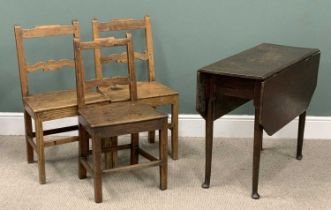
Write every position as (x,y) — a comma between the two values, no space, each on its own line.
(134,148)
(108,155)
(163,157)
(174,130)
(28,135)
(40,150)
(114,144)
(151,137)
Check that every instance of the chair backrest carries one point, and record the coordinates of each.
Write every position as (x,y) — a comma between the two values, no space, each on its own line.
(41,31)
(124,25)
(99,43)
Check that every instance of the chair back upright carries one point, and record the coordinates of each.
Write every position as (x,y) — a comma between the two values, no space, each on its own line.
(124,25)
(84,85)
(50,65)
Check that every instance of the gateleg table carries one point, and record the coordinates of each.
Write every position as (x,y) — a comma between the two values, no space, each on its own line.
(279,79)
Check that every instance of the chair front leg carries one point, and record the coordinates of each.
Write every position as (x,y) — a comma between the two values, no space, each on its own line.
(96,150)
(28,135)
(40,149)
(163,145)
(83,151)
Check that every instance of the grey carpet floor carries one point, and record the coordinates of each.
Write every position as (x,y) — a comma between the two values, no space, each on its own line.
(285,183)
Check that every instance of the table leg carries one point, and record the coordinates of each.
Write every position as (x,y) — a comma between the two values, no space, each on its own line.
(209,143)
(258,134)
(301,129)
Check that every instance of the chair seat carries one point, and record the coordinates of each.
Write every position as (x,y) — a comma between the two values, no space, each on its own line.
(59,99)
(145,90)
(99,115)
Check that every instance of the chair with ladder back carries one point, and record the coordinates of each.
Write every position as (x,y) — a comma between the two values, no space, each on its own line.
(149,92)
(49,105)
(101,121)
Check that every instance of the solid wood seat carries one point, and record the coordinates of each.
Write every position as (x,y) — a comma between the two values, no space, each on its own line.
(103,121)
(150,91)
(100,115)
(145,90)
(47,105)
(59,100)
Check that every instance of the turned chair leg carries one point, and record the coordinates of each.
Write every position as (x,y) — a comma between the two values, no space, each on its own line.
(163,157)
(83,151)
(301,130)
(40,150)
(28,135)
(258,135)
(174,129)
(96,150)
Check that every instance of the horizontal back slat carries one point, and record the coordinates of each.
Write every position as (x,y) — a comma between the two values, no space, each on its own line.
(121,24)
(106,82)
(122,58)
(50,65)
(103,42)
(48,30)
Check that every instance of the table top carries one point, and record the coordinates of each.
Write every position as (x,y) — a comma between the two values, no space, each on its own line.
(259,62)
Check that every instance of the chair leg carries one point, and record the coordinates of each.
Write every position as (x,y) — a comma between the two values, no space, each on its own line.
(96,150)
(134,158)
(258,135)
(108,155)
(40,150)
(174,130)
(28,135)
(163,157)
(151,137)
(83,150)
(301,130)
(114,144)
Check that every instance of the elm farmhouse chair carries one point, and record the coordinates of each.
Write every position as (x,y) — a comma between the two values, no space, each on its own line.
(50,105)
(101,121)
(149,92)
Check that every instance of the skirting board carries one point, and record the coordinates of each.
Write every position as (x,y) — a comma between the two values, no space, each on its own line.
(192,125)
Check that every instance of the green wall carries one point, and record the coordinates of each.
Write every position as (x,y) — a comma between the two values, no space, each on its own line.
(188,34)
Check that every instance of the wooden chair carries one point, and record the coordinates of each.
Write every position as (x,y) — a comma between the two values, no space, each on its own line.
(48,105)
(149,92)
(100,121)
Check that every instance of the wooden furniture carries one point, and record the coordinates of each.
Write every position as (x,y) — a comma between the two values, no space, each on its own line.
(149,92)
(100,121)
(279,79)
(48,105)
